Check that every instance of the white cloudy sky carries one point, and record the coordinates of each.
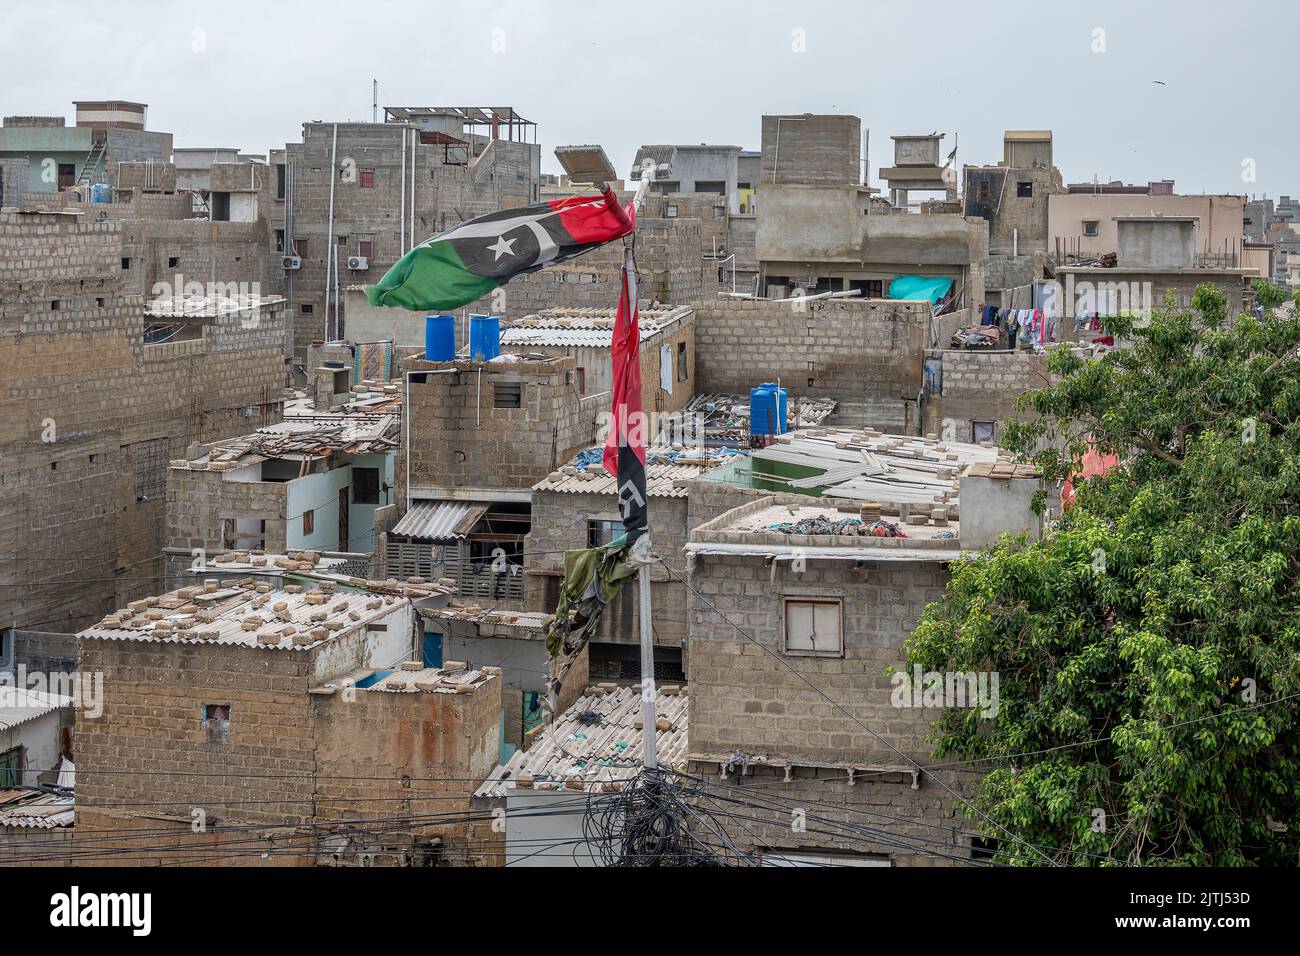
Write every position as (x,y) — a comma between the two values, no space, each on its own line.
(247,73)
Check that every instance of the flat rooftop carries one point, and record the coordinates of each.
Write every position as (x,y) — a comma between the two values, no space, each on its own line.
(860,465)
(845,523)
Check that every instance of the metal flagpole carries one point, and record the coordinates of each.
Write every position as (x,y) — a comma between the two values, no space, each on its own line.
(640,553)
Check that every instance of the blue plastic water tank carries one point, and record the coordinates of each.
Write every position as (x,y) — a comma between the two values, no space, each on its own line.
(763,417)
(101,192)
(780,406)
(484,337)
(440,338)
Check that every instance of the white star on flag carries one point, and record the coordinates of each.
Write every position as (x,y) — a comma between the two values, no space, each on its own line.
(502,247)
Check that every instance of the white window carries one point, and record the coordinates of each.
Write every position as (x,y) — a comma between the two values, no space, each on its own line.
(813,627)
(670,211)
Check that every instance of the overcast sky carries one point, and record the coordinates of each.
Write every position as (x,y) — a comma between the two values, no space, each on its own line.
(248,73)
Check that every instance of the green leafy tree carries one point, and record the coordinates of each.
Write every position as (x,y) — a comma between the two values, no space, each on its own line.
(1148,648)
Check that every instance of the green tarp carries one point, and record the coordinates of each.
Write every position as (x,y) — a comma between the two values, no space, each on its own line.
(592,576)
(919,287)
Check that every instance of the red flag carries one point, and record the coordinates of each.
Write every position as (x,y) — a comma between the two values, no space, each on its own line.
(625,439)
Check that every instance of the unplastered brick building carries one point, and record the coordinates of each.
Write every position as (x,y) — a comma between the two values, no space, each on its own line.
(866,355)
(667,353)
(282,723)
(479,436)
(311,482)
(796,619)
(978,391)
(673,268)
(99,394)
(362,194)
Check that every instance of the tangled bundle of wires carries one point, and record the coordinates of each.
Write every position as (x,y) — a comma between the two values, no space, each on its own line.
(648,823)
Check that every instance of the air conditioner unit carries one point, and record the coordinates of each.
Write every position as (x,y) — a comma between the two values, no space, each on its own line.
(358,263)
(292,263)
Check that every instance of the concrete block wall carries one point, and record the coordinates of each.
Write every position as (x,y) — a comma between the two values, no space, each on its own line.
(130,205)
(504,176)
(1020,222)
(880,817)
(850,351)
(460,440)
(559,522)
(144,175)
(743,698)
(812,150)
(982,386)
(446,744)
(261,772)
(167,256)
(199,502)
(286,758)
(13,180)
(701,206)
(93,415)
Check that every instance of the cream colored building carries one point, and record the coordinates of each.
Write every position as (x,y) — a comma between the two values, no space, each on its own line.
(1085,224)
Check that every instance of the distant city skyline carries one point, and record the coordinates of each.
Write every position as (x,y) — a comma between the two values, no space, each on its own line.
(1132,92)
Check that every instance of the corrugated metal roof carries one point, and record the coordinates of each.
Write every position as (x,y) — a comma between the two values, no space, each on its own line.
(667,470)
(18,705)
(661,481)
(34,808)
(276,618)
(440,520)
(595,741)
(433,680)
(209,306)
(583,328)
(477,614)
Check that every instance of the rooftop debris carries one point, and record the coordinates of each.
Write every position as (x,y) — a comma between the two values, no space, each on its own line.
(823,524)
(365,427)
(726,417)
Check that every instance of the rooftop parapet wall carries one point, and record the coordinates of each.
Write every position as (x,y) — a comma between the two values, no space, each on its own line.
(847,349)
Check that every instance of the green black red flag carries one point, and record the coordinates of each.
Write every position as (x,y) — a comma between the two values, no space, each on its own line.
(470,260)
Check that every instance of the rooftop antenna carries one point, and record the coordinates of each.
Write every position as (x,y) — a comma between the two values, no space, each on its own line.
(374,101)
